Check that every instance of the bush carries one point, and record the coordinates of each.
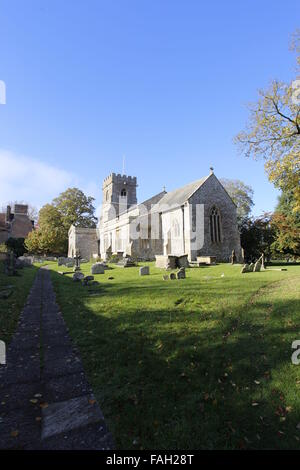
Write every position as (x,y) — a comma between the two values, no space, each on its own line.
(3,248)
(16,245)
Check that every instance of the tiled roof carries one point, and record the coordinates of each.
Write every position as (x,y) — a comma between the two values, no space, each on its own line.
(179,196)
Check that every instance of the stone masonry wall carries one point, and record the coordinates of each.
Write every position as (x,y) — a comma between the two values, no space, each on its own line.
(212,194)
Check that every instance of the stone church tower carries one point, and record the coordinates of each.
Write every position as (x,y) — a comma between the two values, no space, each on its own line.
(118,195)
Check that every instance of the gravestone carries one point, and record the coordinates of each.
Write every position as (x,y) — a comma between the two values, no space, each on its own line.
(181,273)
(263,261)
(165,277)
(77,276)
(144,271)
(172,276)
(257,266)
(126,262)
(251,267)
(77,261)
(233,257)
(245,269)
(69,264)
(97,268)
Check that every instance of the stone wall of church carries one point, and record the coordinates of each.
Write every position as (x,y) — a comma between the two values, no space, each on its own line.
(212,193)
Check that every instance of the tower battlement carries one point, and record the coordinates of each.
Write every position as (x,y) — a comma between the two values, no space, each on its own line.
(119,191)
(117,178)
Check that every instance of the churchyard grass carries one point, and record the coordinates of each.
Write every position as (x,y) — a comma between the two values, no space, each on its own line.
(11,307)
(198,363)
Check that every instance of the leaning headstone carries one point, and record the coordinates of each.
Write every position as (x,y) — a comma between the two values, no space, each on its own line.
(257,266)
(233,257)
(251,267)
(144,271)
(245,269)
(181,273)
(172,276)
(77,276)
(263,261)
(97,268)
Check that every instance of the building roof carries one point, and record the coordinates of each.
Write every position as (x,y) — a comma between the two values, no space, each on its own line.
(148,203)
(179,196)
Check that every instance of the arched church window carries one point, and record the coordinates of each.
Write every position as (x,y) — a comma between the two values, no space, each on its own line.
(123,192)
(215,225)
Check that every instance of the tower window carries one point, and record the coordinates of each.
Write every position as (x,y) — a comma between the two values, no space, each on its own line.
(123,192)
(106,196)
(215,225)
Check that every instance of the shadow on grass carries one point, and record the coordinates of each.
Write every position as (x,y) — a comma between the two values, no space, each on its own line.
(11,307)
(169,379)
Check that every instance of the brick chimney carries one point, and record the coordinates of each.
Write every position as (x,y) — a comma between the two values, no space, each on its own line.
(8,212)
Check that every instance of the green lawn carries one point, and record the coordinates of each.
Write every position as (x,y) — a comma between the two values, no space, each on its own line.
(11,307)
(200,363)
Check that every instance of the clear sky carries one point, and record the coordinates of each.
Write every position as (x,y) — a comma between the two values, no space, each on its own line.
(163,82)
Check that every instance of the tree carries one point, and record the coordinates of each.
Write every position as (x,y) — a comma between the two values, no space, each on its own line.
(50,237)
(257,236)
(241,195)
(273,133)
(286,224)
(51,234)
(76,208)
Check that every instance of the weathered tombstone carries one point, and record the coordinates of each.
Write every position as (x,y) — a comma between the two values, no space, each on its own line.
(251,267)
(77,261)
(233,257)
(126,262)
(27,260)
(77,276)
(172,276)
(144,271)
(61,261)
(263,261)
(69,264)
(97,268)
(245,269)
(181,273)
(257,266)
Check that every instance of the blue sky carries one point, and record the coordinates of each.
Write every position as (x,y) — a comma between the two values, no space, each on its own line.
(163,82)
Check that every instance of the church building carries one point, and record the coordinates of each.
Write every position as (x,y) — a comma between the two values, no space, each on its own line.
(196,220)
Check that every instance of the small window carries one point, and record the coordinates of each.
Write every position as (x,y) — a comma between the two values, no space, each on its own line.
(123,193)
(215,225)
(106,195)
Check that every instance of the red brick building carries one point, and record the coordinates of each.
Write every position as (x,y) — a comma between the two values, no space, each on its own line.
(15,224)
